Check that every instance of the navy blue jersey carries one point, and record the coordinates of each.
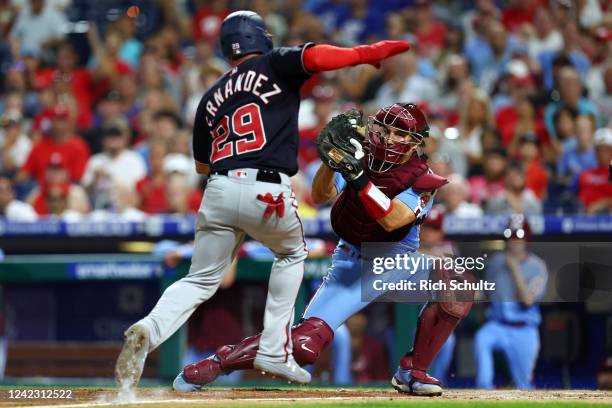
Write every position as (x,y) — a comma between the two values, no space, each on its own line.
(249,117)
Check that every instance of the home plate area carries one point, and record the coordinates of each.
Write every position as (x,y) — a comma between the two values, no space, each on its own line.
(304,397)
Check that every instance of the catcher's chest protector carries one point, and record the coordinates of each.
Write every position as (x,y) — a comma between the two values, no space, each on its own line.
(351,221)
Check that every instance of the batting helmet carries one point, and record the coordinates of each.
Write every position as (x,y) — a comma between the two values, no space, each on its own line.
(518,228)
(409,125)
(244,32)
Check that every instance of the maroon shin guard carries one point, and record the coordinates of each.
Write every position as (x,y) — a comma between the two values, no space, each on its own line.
(309,337)
(434,327)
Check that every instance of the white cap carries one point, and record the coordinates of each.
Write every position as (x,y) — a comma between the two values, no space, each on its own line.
(603,137)
(179,163)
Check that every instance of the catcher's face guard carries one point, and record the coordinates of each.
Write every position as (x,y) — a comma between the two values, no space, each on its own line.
(393,136)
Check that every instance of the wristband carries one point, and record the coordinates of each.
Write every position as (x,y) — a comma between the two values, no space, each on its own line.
(376,203)
(360,182)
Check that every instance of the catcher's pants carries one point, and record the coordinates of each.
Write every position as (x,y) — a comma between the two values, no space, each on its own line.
(229,211)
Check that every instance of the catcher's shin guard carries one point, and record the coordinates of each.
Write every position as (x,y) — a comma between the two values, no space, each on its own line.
(310,337)
(436,323)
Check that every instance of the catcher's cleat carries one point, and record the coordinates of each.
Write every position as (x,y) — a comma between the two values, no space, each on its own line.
(290,370)
(202,372)
(131,360)
(181,384)
(416,382)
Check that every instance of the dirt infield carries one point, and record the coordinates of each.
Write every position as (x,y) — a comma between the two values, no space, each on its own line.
(225,397)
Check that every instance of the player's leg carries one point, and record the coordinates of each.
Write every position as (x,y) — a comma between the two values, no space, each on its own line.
(487,339)
(341,356)
(436,322)
(440,365)
(521,349)
(337,298)
(282,232)
(215,243)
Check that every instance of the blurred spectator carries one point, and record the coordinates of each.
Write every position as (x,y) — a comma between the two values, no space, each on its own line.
(571,51)
(15,146)
(590,13)
(543,34)
(603,101)
(108,108)
(525,123)
(571,96)
(207,20)
(10,208)
(125,202)
(488,55)
(535,172)
(325,103)
(369,361)
(180,195)
(57,174)
(106,63)
(516,197)
(72,149)
(116,164)
(78,81)
(578,154)
(126,27)
(491,183)
(430,33)
(165,127)
(38,26)
(594,191)
(475,117)
(517,13)
(454,197)
(520,279)
(152,188)
(452,75)
(404,83)
(55,198)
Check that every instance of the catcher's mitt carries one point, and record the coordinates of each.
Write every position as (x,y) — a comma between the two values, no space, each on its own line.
(339,144)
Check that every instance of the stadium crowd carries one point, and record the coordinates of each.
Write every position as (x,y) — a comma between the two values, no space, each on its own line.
(98,100)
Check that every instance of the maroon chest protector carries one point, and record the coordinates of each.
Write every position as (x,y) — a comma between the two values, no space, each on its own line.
(351,221)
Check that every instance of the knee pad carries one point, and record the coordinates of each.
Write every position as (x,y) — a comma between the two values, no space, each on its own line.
(456,303)
(310,338)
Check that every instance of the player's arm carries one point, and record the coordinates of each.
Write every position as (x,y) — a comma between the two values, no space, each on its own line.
(524,294)
(399,216)
(404,209)
(201,141)
(323,185)
(325,57)
(202,168)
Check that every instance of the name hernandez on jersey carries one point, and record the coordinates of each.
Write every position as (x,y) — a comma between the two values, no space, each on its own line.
(248,118)
(249,81)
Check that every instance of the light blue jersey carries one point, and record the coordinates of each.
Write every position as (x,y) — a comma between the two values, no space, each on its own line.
(504,307)
(420,204)
(340,295)
(512,327)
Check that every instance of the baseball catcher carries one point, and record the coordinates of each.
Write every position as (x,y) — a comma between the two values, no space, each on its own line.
(383,189)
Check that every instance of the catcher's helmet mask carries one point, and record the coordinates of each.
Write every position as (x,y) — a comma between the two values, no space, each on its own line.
(394,134)
(244,32)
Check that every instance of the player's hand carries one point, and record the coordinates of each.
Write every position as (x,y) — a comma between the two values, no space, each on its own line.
(334,144)
(375,53)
